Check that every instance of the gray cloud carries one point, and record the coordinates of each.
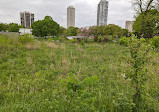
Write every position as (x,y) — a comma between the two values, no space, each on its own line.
(86,11)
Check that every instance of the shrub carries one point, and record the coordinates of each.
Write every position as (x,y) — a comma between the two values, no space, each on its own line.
(82,43)
(105,39)
(101,39)
(95,39)
(9,43)
(155,41)
(139,73)
(26,39)
(74,40)
(62,39)
(124,41)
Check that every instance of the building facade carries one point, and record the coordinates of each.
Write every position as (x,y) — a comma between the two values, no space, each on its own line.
(102,13)
(70,16)
(26,19)
(129,25)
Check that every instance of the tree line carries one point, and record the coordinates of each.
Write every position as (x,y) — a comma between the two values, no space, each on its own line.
(12,27)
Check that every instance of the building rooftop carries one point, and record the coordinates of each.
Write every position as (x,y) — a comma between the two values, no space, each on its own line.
(103,0)
(70,7)
(26,12)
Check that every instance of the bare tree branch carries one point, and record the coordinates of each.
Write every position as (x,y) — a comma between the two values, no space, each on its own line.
(149,5)
(140,5)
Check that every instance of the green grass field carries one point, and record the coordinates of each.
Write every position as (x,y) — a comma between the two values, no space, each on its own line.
(46,76)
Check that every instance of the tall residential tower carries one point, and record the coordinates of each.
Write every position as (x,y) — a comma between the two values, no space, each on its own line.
(102,13)
(70,16)
(129,25)
(26,19)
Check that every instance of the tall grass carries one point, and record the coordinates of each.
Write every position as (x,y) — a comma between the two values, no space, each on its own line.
(64,77)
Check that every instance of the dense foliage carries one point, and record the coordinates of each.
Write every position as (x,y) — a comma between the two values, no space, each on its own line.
(71,31)
(124,41)
(3,27)
(146,24)
(46,27)
(110,29)
(155,41)
(62,31)
(12,27)
(138,74)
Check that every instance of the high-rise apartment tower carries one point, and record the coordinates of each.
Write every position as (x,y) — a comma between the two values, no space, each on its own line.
(26,19)
(70,16)
(102,13)
(129,25)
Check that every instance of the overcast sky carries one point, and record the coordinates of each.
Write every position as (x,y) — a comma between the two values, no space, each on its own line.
(86,11)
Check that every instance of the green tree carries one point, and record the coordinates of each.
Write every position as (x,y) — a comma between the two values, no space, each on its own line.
(147,27)
(114,30)
(110,29)
(46,27)
(99,30)
(62,31)
(143,9)
(71,31)
(13,27)
(125,32)
(3,27)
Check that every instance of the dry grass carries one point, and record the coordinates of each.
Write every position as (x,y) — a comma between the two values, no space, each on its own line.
(33,46)
(52,67)
(51,45)
(29,61)
(65,65)
(80,49)
(95,58)
(62,46)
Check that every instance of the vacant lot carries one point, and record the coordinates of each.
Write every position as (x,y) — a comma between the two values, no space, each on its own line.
(46,76)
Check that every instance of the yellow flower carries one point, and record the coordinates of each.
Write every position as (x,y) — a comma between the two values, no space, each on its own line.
(43,90)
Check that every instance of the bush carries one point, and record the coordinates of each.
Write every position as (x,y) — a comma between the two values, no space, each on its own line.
(101,39)
(9,43)
(105,39)
(138,72)
(82,43)
(26,39)
(62,39)
(74,40)
(124,41)
(95,39)
(155,41)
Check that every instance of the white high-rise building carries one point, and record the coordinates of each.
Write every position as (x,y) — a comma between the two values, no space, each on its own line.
(102,13)
(26,19)
(129,25)
(70,16)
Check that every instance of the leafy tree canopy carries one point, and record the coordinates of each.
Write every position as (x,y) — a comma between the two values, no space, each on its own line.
(46,27)
(71,31)
(110,29)
(147,25)
(62,31)
(13,27)
(3,27)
